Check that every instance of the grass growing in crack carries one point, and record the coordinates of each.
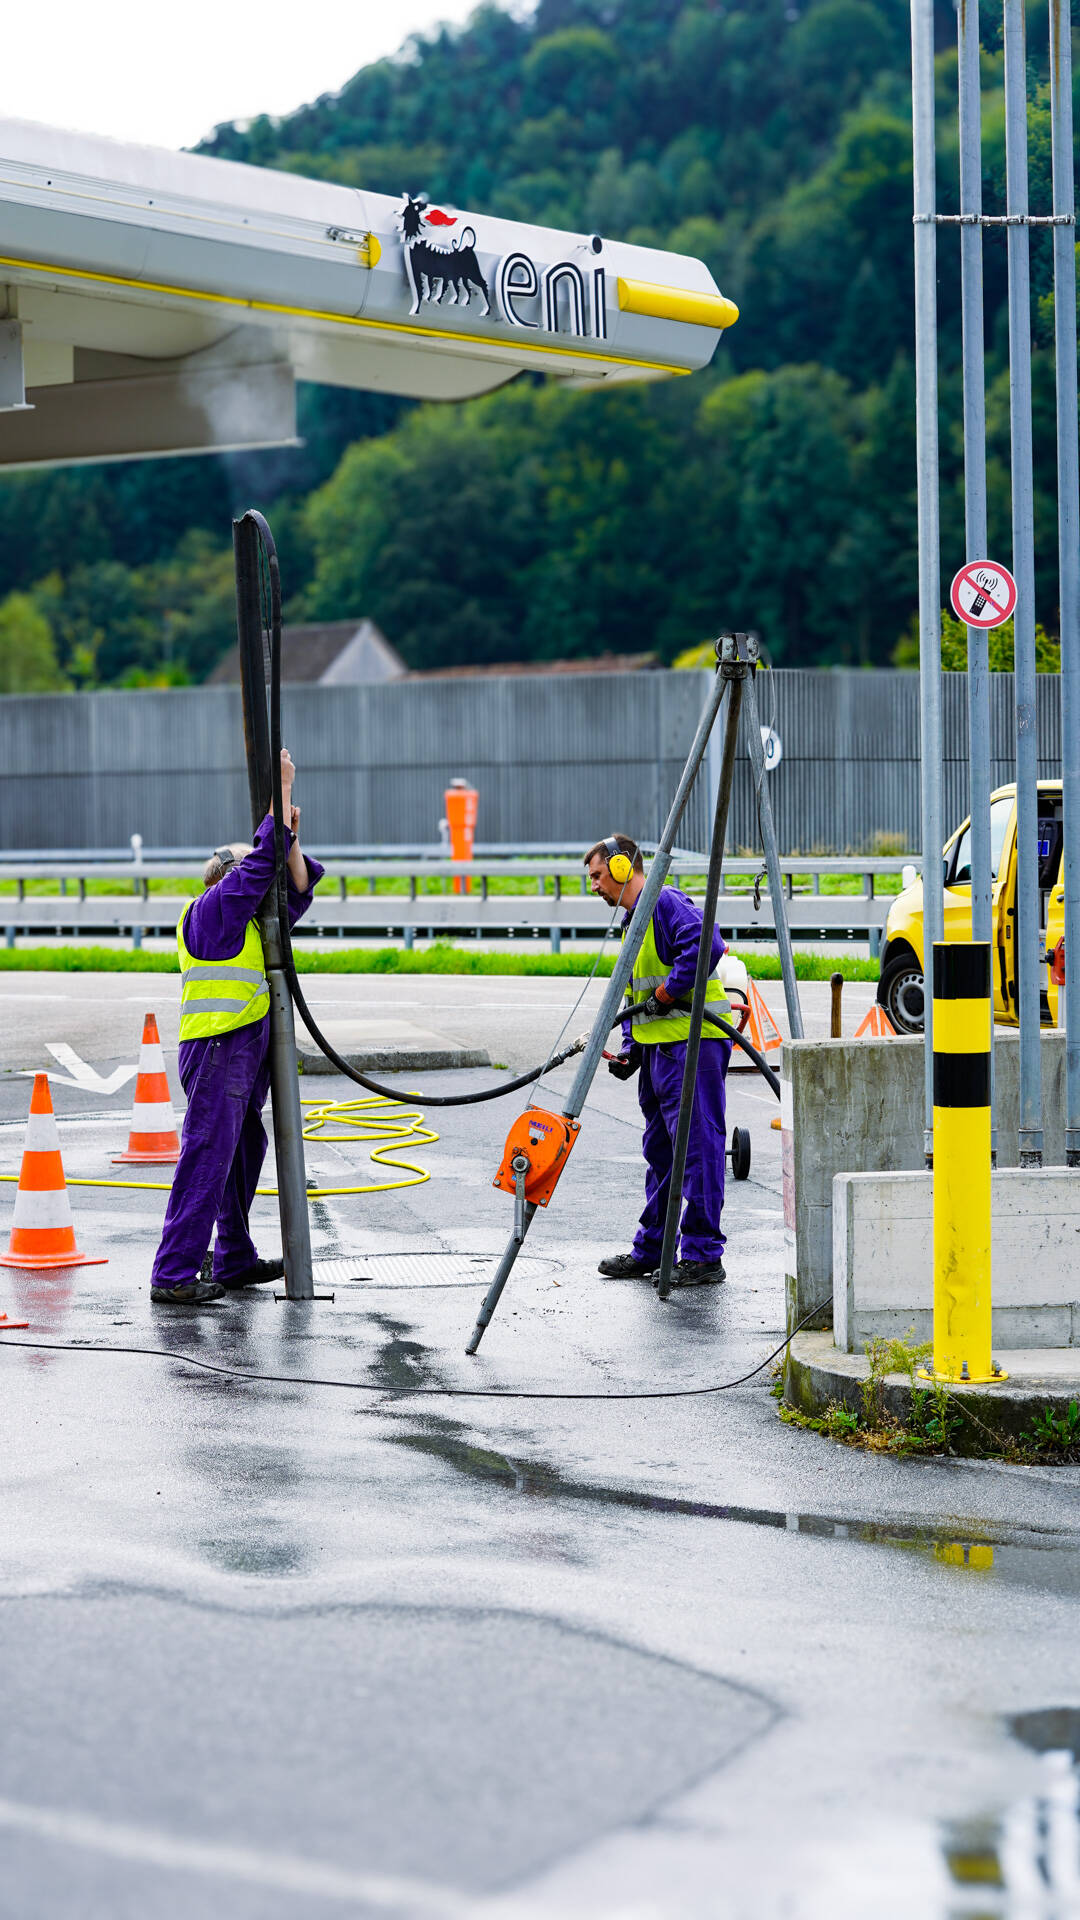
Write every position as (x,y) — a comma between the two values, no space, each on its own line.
(937,1417)
(1055,1435)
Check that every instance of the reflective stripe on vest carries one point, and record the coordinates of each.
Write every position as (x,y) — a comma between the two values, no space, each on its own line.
(218,996)
(656,1029)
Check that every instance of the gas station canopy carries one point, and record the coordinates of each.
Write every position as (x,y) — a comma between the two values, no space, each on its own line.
(158,303)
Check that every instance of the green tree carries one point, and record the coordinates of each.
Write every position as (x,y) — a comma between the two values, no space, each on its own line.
(1001,647)
(28,662)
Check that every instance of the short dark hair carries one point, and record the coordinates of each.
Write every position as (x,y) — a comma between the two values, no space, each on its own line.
(625,845)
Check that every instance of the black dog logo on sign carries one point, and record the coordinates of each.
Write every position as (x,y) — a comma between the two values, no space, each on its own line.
(431,269)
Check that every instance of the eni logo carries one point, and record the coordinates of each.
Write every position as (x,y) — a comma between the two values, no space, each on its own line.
(563,298)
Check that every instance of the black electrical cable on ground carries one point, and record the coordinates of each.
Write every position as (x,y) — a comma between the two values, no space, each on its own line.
(272,626)
(433,1393)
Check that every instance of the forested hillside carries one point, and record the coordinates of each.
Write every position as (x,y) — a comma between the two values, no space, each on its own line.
(774,491)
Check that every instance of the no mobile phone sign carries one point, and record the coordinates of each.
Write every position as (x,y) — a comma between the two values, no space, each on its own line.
(983,594)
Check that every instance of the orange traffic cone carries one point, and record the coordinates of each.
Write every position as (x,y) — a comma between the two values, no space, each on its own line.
(43,1233)
(876,1026)
(761,1030)
(153,1141)
(764,1031)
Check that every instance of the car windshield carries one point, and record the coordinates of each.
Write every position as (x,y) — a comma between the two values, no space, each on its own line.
(960,861)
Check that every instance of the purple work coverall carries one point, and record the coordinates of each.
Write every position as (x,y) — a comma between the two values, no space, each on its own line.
(677,931)
(226,1080)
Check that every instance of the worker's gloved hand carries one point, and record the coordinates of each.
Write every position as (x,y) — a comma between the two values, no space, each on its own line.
(659,1002)
(626,1064)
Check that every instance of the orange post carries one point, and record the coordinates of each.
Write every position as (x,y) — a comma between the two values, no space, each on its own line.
(461,803)
(43,1233)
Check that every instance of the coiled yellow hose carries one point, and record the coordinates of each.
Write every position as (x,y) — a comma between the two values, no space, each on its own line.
(372,1121)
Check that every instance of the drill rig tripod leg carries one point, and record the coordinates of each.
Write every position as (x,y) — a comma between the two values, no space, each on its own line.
(620,978)
(523,1214)
(734,666)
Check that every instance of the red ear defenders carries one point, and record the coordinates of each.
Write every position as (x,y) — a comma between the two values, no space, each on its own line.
(620,865)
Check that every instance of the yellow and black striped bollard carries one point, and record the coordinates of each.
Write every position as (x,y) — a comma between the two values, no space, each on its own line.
(963,1035)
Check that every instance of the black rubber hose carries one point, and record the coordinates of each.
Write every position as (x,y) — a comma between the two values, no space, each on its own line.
(281,895)
(733,1033)
(282,901)
(740,1040)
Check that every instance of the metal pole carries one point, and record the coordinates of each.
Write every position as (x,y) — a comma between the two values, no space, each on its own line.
(971,303)
(926,428)
(1068,542)
(733,668)
(284,1083)
(772,854)
(1027,958)
(616,986)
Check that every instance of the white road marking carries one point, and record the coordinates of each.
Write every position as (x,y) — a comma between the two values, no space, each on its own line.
(283,1872)
(23,997)
(84,1078)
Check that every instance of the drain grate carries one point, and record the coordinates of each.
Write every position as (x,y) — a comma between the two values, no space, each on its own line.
(423,1269)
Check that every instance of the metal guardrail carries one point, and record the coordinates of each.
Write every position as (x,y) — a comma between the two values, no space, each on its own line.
(561,904)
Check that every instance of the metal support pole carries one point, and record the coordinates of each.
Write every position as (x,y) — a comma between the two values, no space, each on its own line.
(971,302)
(616,986)
(1027,958)
(926,426)
(284,1083)
(772,854)
(733,667)
(1068,543)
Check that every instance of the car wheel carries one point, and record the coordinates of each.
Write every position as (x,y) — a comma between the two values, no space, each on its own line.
(902,993)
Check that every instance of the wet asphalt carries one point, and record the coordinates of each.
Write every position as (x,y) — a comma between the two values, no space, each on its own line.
(286,1648)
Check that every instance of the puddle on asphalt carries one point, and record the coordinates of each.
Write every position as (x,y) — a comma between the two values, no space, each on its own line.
(1025,1557)
(1024,1860)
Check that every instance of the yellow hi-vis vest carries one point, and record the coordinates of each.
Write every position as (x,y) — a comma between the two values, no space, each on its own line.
(653,1029)
(217,996)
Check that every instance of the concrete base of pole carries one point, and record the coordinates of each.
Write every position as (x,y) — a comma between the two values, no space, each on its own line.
(818,1376)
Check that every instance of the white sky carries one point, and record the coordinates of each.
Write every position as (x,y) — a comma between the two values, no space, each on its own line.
(168,74)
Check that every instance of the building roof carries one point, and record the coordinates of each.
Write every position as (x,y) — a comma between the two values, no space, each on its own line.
(333,653)
(602,663)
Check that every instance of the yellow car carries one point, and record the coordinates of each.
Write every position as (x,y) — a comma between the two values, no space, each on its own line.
(900,988)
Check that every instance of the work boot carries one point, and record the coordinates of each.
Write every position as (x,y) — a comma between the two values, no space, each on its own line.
(623,1266)
(193,1293)
(252,1276)
(697,1273)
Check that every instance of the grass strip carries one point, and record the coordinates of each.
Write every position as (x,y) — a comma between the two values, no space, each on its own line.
(441,957)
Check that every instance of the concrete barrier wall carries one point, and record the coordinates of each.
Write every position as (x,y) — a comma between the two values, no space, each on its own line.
(856,1106)
(883,1257)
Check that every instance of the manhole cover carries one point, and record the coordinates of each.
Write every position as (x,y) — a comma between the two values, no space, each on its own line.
(423,1269)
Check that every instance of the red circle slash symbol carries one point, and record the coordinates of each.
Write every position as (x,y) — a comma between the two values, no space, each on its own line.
(983,594)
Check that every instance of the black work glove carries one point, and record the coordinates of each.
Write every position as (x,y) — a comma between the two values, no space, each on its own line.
(627,1064)
(655,1005)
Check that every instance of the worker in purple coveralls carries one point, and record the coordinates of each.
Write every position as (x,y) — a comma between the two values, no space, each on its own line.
(654,1046)
(224,1065)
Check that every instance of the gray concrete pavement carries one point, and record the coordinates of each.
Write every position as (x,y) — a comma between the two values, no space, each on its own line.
(281,1649)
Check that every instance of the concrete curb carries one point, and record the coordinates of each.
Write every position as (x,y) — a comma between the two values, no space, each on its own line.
(393,1059)
(819,1375)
